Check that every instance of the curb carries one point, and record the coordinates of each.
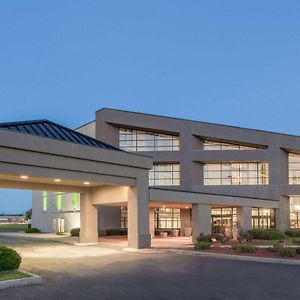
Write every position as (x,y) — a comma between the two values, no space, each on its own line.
(268,260)
(33,280)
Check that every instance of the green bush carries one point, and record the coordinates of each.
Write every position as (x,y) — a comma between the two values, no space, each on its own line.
(201,246)
(203,238)
(123,231)
(297,250)
(32,230)
(293,233)
(245,248)
(266,234)
(113,231)
(287,252)
(75,231)
(102,232)
(9,259)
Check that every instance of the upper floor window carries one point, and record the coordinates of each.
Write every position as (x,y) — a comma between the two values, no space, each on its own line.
(294,169)
(165,174)
(136,140)
(211,145)
(237,173)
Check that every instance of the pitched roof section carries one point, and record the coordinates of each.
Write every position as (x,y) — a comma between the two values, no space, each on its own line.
(51,130)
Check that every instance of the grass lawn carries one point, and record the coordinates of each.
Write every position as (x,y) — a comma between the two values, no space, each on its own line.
(13,227)
(8,275)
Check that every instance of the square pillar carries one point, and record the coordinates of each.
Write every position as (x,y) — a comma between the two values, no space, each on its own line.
(185,220)
(152,222)
(244,218)
(88,219)
(283,214)
(201,219)
(138,215)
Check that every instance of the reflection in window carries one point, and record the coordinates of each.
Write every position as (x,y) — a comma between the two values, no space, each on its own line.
(167,218)
(295,212)
(263,218)
(294,169)
(136,140)
(237,173)
(164,174)
(211,145)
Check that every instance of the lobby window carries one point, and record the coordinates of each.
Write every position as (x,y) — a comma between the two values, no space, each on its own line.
(223,217)
(124,217)
(294,169)
(263,218)
(295,212)
(167,218)
(136,140)
(164,175)
(212,145)
(237,173)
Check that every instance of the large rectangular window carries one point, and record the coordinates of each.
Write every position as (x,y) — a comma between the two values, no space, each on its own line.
(263,218)
(136,140)
(237,173)
(164,174)
(167,218)
(222,218)
(294,169)
(214,145)
(295,212)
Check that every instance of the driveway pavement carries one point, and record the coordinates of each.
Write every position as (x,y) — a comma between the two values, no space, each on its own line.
(99,272)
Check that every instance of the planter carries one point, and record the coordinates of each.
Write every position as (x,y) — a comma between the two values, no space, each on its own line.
(163,234)
(175,232)
(187,231)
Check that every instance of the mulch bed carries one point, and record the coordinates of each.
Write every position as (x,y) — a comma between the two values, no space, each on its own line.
(260,252)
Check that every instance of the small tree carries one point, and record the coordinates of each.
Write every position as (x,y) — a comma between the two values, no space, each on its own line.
(28,214)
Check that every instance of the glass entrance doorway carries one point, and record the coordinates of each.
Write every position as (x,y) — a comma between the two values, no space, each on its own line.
(223,218)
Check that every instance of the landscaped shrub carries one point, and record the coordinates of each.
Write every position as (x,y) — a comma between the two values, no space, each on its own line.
(203,238)
(245,248)
(32,230)
(9,259)
(123,231)
(75,231)
(293,233)
(297,250)
(201,246)
(102,232)
(266,234)
(287,252)
(113,231)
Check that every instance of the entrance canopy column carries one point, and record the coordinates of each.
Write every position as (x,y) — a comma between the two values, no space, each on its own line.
(244,217)
(88,219)
(138,215)
(201,219)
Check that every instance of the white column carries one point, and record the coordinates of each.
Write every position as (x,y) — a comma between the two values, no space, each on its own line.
(152,222)
(244,217)
(201,219)
(138,215)
(88,219)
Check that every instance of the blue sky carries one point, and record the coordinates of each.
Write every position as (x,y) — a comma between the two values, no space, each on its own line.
(232,62)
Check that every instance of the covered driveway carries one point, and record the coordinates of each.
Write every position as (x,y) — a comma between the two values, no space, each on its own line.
(42,155)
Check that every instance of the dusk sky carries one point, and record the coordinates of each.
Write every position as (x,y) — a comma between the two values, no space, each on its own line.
(231,62)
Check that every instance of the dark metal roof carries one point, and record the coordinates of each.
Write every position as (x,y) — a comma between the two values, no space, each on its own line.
(55,131)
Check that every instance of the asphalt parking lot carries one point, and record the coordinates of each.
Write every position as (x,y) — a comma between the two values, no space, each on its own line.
(97,272)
